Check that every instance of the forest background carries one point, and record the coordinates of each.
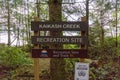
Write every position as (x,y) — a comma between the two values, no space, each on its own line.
(104,36)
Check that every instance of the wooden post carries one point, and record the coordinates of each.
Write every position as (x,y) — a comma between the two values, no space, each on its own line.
(83,33)
(36,60)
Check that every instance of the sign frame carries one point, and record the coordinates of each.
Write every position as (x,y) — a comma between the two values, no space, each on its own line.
(82,40)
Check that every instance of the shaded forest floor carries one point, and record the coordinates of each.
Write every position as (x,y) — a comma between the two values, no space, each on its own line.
(104,73)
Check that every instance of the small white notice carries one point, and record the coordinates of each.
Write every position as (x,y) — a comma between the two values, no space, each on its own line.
(81,71)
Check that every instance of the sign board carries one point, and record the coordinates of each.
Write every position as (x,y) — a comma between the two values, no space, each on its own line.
(61,26)
(63,39)
(59,53)
(81,26)
(81,71)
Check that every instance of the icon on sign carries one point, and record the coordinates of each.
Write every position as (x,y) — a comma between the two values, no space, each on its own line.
(81,73)
(44,53)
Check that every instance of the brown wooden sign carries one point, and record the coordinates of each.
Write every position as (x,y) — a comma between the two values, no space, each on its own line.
(61,26)
(59,53)
(63,40)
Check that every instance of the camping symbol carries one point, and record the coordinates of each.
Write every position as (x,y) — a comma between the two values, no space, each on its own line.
(44,53)
(81,73)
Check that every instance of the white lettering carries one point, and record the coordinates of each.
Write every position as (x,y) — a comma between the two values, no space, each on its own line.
(76,40)
(58,26)
(60,40)
(53,40)
(61,52)
(75,52)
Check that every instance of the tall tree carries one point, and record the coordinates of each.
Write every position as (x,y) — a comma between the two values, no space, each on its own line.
(8,7)
(57,66)
(101,16)
(116,8)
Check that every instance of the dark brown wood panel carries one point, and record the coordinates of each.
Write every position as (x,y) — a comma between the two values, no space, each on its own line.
(63,40)
(59,53)
(60,26)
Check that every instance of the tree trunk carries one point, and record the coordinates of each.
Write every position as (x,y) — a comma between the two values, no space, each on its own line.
(116,7)
(102,27)
(87,11)
(8,6)
(57,66)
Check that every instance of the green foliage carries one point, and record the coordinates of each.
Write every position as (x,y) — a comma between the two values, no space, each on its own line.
(108,6)
(94,37)
(27,48)
(15,60)
(103,52)
(71,46)
(108,56)
(70,62)
(13,57)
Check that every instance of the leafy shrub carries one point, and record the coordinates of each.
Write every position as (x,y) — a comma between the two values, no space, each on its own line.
(14,60)
(13,57)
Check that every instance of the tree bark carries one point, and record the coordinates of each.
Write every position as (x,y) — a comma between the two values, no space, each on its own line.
(102,27)
(8,6)
(116,7)
(57,66)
